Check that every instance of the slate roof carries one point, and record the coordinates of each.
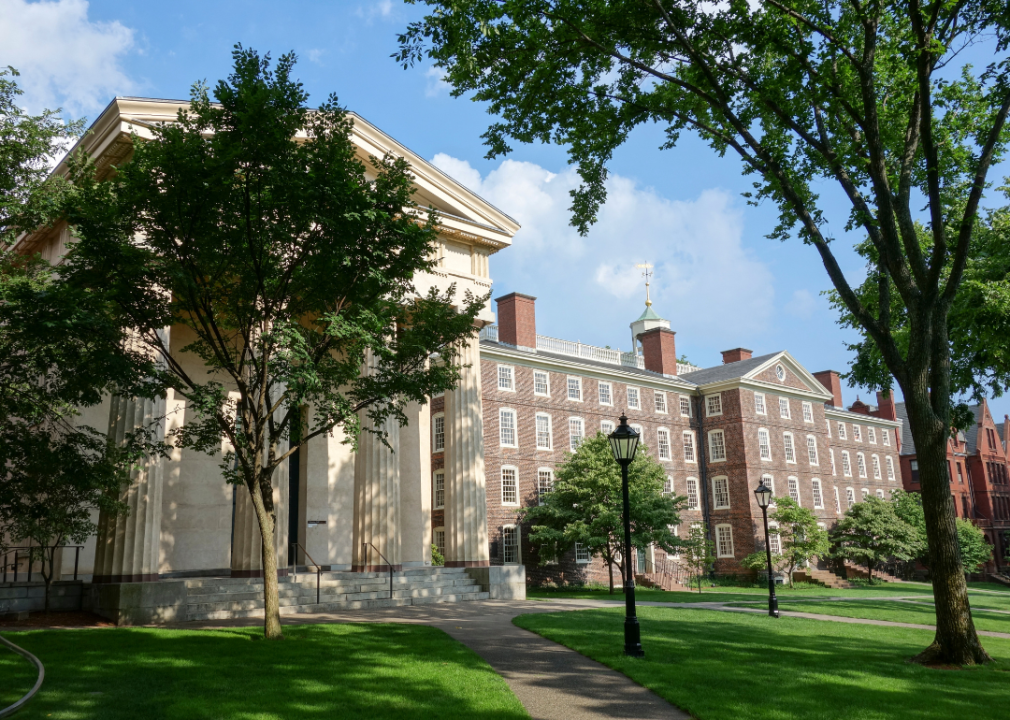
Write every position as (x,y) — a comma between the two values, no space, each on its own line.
(907,444)
(728,371)
(971,434)
(1002,437)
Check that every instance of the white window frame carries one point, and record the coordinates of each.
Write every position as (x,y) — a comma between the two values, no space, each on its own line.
(502,412)
(850,496)
(687,440)
(578,388)
(846,464)
(841,431)
(609,402)
(769,481)
(435,435)
(659,400)
(515,479)
(880,493)
(544,488)
(573,445)
(760,408)
(875,466)
(838,502)
(720,487)
(885,435)
(793,484)
(831,452)
(668,454)
(638,429)
(435,477)
(713,405)
(828,423)
(668,485)
(550,431)
(808,412)
(518,545)
(435,532)
(582,556)
(693,494)
(871,435)
(889,462)
(817,493)
(857,433)
(774,538)
(723,535)
(712,435)
(813,456)
(789,447)
(507,373)
(764,442)
(785,412)
(547,383)
(607,426)
(683,400)
(861,464)
(637,404)
(865,493)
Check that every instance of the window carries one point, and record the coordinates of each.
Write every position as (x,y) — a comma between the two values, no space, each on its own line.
(575,433)
(438,433)
(633,400)
(787,443)
(794,490)
(638,429)
(831,452)
(575,389)
(880,494)
(607,427)
(716,446)
(506,378)
(510,544)
(689,446)
(668,486)
(841,431)
(509,486)
(545,483)
(850,496)
(765,444)
(660,400)
(871,435)
(784,407)
(838,504)
(913,465)
(812,450)
(861,465)
(815,493)
(774,540)
(581,553)
(885,435)
(875,464)
(606,398)
(685,406)
(846,466)
(507,427)
(828,423)
(713,405)
(865,493)
(693,503)
(543,431)
(720,493)
(439,537)
(808,412)
(759,404)
(889,462)
(724,540)
(769,482)
(438,488)
(541,383)
(857,433)
(663,436)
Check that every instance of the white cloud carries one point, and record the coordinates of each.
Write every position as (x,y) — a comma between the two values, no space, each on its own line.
(376,8)
(64,58)
(706,282)
(801,305)
(436,84)
(315,55)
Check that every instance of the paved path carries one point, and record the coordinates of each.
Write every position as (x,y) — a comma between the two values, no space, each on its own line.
(551,681)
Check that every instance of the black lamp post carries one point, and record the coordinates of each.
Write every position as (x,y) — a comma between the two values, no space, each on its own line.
(764,498)
(624,443)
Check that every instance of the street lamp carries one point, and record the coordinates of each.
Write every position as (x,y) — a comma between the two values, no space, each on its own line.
(763,493)
(624,443)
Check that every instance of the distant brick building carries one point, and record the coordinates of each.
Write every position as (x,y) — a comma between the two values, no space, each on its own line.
(716,431)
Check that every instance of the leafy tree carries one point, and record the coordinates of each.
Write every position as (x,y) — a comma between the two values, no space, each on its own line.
(698,553)
(875,101)
(975,551)
(801,539)
(871,533)
(287,264)
(437,559)
(586,507)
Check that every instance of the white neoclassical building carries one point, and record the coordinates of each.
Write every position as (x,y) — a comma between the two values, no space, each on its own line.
(186,522)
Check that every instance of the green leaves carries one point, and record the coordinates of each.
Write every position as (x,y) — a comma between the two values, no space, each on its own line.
(872,532)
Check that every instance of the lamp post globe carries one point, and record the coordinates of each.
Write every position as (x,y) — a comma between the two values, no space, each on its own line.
(624,444)
(763,493)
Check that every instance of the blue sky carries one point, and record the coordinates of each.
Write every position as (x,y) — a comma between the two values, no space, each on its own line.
(721,283)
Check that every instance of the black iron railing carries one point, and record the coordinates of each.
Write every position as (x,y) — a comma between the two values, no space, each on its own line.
(13,557)
(319,569)
(364,548)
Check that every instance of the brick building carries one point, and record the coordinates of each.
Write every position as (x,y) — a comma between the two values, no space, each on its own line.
(717,432)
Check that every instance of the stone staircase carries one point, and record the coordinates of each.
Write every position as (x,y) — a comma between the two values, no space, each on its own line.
(821,577)
(658,582)
(853,570)
(221,598)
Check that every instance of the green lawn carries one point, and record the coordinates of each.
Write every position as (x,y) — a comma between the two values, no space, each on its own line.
(317,671)
(720,665)
(898,612)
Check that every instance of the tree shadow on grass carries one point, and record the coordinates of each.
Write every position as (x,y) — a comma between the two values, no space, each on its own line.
(317,671)
(725,665)
(892,611)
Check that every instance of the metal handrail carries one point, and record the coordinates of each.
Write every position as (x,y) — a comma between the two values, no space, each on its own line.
(319,569)
(365,552)
(11,709)
(14,565)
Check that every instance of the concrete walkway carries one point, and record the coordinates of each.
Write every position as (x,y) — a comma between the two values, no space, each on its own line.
(551,681)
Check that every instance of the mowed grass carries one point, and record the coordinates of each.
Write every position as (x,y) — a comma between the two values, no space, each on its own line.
(721,665)
(921,614)
(317,671)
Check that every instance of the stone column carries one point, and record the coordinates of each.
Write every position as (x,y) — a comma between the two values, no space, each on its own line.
(466,541)
(377,499)
(415,487)
(247,543)
(128,545)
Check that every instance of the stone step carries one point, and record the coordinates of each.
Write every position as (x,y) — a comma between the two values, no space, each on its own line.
(303,596)
(306,585)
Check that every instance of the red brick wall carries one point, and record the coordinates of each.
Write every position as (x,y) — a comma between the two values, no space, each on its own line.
(659,351)
(517,322)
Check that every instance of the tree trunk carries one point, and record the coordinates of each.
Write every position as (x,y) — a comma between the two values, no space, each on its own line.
(610,568)
(271,590)
(955,642)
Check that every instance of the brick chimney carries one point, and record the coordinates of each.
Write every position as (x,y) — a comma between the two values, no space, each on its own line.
(830,380)
(659,350)
(517,320)
(885,405)
(736,355)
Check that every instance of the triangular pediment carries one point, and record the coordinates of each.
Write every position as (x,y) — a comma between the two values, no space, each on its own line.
(793,375)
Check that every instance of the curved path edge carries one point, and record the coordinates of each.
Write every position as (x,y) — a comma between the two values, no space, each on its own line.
(11,709)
